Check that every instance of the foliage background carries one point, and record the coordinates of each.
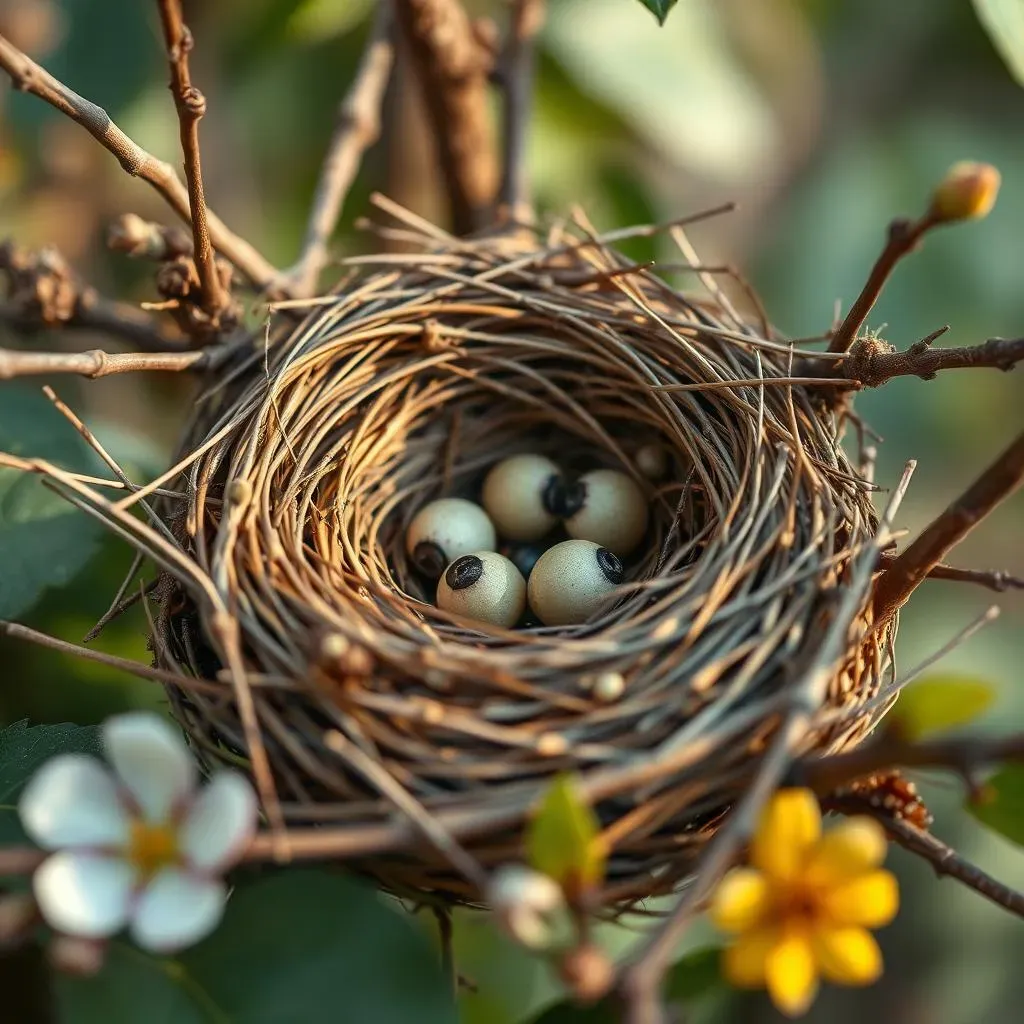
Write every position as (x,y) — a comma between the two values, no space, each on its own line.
(823,118)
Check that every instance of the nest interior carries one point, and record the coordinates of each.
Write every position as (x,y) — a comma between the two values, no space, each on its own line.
(385,719)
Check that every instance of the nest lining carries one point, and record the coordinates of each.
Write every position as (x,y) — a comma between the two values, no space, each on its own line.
(406,386)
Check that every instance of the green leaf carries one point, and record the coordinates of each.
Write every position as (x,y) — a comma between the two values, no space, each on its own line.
(940,703)
(691,978)
(1001,806)
(659,8)
(563,838)
(298,947)
(23,749)
(1004,22)
(44,540)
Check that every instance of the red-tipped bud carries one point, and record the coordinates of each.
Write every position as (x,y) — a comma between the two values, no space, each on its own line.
(967,192)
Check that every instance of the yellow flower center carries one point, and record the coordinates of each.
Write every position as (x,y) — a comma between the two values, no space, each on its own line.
(152,847)
(798,903)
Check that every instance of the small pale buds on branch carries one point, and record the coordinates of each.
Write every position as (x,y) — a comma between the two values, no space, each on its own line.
(967,192)
(527,905)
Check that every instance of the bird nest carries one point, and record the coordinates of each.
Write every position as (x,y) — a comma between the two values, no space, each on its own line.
(416,744)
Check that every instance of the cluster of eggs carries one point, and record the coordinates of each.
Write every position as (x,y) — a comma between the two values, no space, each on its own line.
(455,541)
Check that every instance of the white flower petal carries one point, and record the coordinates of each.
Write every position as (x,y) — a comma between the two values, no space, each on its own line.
(151,761)
(220,823)
(84,894)
(73,801)
(177,909)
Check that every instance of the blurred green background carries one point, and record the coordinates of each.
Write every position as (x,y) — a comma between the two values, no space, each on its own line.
(822,118)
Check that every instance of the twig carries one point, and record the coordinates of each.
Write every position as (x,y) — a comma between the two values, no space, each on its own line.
(142,239)
(97,363)
(95,314)
(30,77)
(873,361)
(517,82)
(964,755)
(906,572)
(943,859)
(453,66)
(190,104)
(992,579)
(356,128)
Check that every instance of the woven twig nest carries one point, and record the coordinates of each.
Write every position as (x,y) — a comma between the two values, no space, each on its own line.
(385,719)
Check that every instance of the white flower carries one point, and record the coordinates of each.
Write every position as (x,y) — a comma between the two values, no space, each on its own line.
(528,905)
(140,846)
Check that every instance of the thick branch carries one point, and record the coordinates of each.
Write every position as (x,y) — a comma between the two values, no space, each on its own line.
(873,361)
(517,82)
(912,566)
(356,129)
(964,755)
(453,66)
(190,104)
(30,77)
(943,859)
(96,363)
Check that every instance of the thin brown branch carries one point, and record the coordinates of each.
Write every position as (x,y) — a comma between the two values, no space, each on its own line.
(95,314)
(944,859)
(190,104)
(28,76)
(991,579)
(142,239)
(356,128)
(906,572)
(964,755)
(903,237)
(517,82)
(453,64)
(97,363)
(873,362)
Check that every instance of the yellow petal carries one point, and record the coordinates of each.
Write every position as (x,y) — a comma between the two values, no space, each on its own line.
(740,901)
(847,956)
(743,963)
(851,848)
(790,826)
(869,901)
(791,974)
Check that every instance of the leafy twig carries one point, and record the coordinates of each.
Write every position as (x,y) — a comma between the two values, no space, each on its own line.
(906,572)
(517,81)
(30,77)
(356,129)
(453,65)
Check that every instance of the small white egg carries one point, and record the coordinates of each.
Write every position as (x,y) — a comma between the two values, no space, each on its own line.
(652,460)
(522,494)
(571,581)
(445,529)
(484,586)
(612,511)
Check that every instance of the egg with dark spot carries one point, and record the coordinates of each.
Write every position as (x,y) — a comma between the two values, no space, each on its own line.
(571,581)
(445,529)
(522,495)
(483,586)
(611,511)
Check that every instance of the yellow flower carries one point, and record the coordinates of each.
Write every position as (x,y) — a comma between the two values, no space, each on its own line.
(968,192)
(803,908)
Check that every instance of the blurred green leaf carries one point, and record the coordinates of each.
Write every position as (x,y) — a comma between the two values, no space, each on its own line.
(1004,22)
(44,540)
(940,703)
(1001,806)
(563,838)
(692,977)
(659,8)
(23,748)
(299,947)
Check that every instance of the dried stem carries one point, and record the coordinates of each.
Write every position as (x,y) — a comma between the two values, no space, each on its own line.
(96,314)
(453,66)
(992,579)
(873,362)
(97,363)
(943,859)
(904,236)
(30,77)
(190,104)
(517,81)
(357,128)
(906,572)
